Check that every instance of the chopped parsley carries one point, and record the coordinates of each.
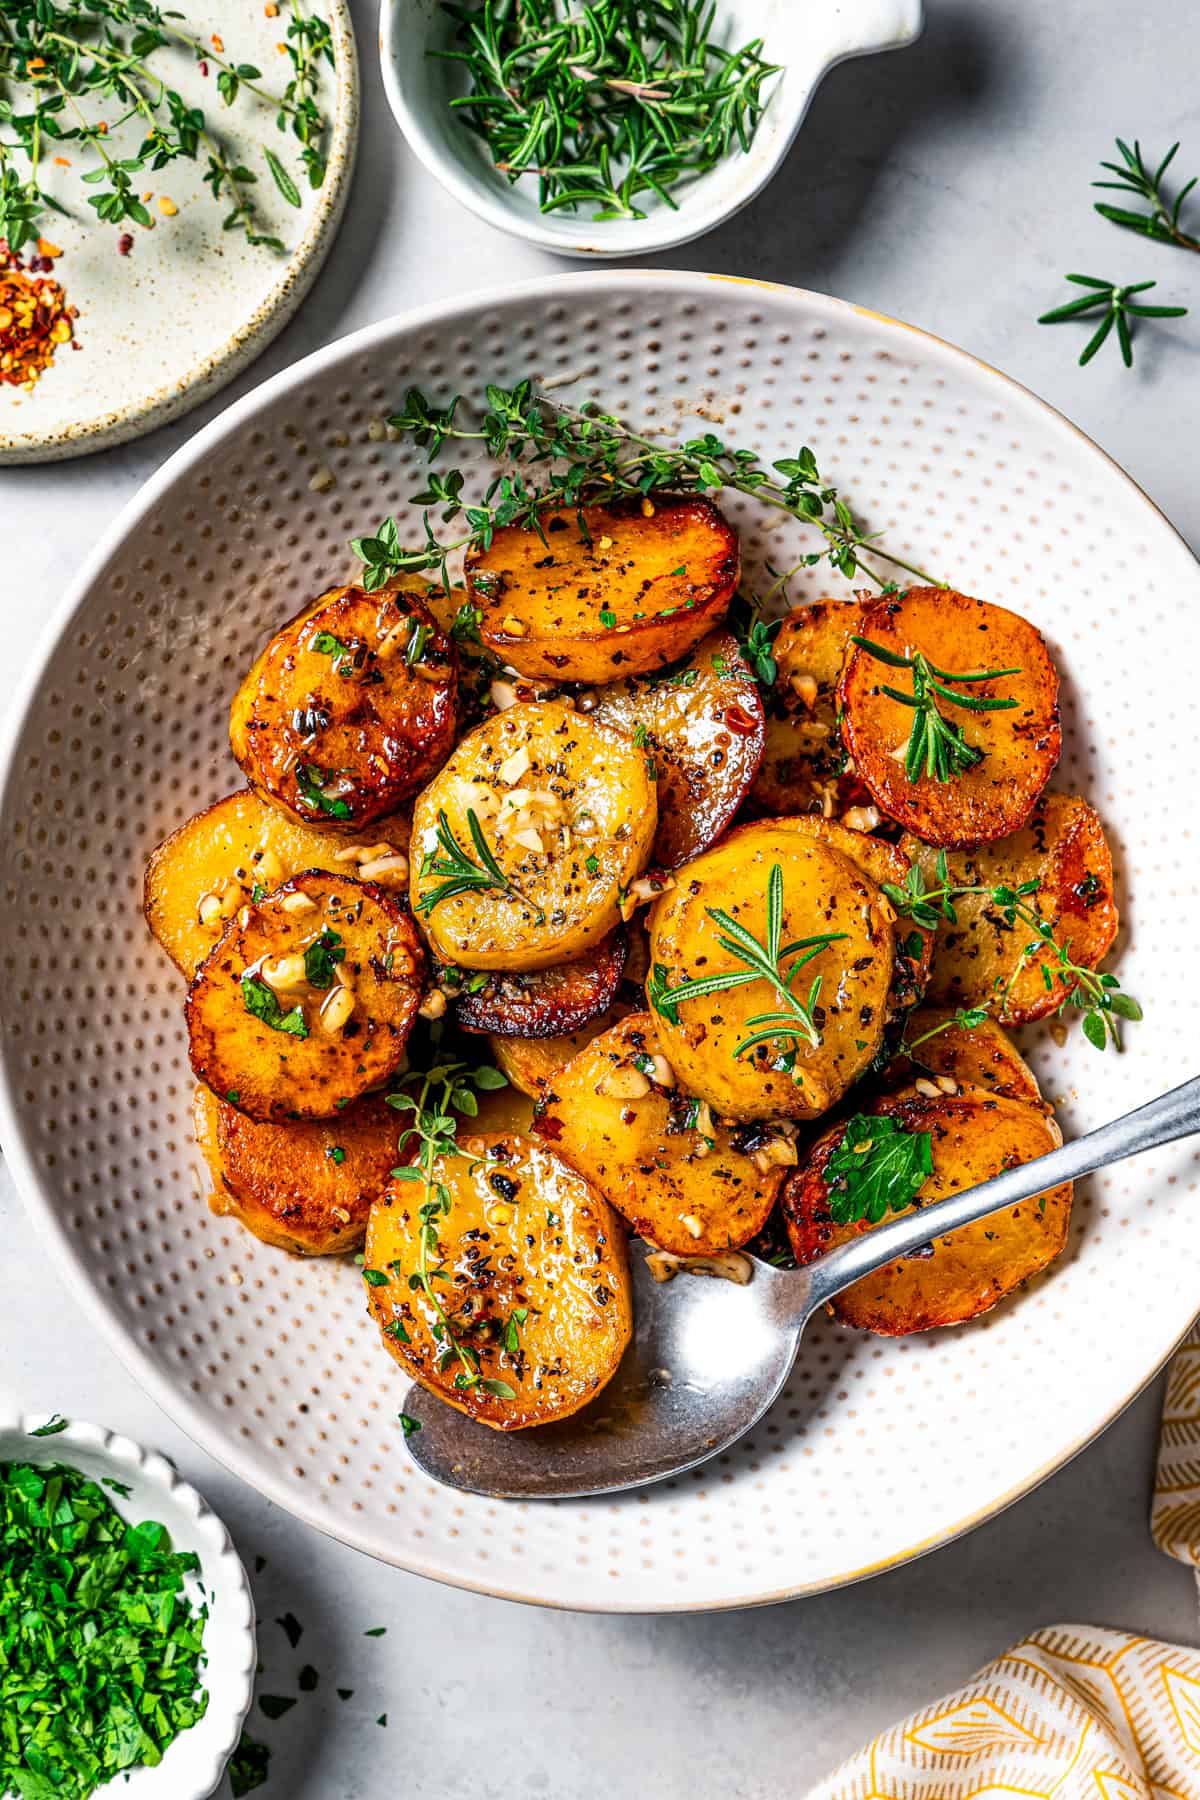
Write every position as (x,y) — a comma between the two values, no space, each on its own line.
(321,956)
(259,1000)
(592,865)
(336,1154)
(292,1628)
(877,1166)
(248,1766)
(408,1425)
(608,618)
(309,782)
(273,1706)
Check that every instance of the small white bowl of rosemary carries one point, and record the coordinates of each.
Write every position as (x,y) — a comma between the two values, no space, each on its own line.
(619,127)
(130,1657)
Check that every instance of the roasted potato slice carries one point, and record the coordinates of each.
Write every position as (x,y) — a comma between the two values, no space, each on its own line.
(633,591)
(307,999)
(972,1137)
(803,769)
(530,1062)
(965,1056)
(199,876)
(535,1283)
(981,960)
(504,1109)
(566,810)
(303,1185)
(349,709)
(545,1003)
(824,895)
(1017,747)
(880,862)
(702,725)
(683,1181)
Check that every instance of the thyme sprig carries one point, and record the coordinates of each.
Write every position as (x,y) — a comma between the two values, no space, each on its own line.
(1116,307)
(441,1093)
(606,102)
(1135,179)
(65,64)
(1097,995)
(793,1022)
(584,455)
(461,874)
(936,746)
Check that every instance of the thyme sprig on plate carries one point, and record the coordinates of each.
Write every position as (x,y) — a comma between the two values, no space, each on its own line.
(586,455)
(461,874)
(877,1167)
(1116,307)
(936,746)
(1098,996)
(606,102)
(793,1023)
(1136,180)
(441,1093)
(67,65)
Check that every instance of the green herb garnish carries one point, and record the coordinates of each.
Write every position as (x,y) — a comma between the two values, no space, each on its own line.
(310,782)
(100,1646)
(54,1424)
(336,1153)
(249,1766)
(1116,307)
(936,746)
(408,1425)
(262,1003)
(1136,180)
(461,874)
(321,958)
(877,1166)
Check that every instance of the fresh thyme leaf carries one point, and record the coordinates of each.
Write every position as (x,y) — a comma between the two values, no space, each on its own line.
(262,1003)
(310,783)
(1116,307)
(102,1647)
(500,1390)
(321,958)
(1134,178)
(875,1168)
(563,458)
(936,746)
(282,179)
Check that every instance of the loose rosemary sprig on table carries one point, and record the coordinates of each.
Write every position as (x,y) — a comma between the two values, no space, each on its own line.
(66,64)
(793,1023)
(1135,179)
(608,101)
(442,1092)
(936,746)
(462,875)
(1097,995)
(586,455)
(1117,307)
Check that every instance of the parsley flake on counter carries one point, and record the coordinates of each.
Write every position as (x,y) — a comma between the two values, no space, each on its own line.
(248,1766)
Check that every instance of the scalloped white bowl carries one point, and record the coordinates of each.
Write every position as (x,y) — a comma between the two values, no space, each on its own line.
(195,1761)
(806,40)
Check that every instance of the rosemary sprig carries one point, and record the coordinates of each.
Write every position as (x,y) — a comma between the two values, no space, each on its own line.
(936,746)
(793,1023)
(441,1092)
(1097,995)
(65,64)
(461,874)
(607,102)
(1135,179)
(1117,307)
(587,455)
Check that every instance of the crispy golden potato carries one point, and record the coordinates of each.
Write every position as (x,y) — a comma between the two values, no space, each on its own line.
(644,584)
(966,1056)
(803,767)
(566,808)
(350,707)
(302,1185)
(504,1109)
(1018,747)
(202,873)
(973,1137)
(545,1003)
(307,999)
(880,862)
(825,893)
(702,726)
(980,960)
(535,1284)
(530,1062)
(683,1181)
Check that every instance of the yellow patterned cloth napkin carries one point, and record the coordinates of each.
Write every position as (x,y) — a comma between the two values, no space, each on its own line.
(1071,1711)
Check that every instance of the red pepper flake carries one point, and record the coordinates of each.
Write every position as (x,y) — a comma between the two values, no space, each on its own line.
(739,721)
(204,68)
(34,320)
(125,243)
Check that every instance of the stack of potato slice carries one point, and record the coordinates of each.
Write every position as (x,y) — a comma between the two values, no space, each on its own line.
(540,855)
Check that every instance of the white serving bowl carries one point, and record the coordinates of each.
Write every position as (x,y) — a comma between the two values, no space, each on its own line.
(806,40)
(195,1761)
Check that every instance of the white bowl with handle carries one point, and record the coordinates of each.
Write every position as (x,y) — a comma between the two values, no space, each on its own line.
(193,1762)
(806,41)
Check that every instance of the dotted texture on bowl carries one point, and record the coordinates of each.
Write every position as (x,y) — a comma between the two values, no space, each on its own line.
(878,1448)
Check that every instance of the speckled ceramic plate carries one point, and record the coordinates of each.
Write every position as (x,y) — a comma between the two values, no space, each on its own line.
(190,305)
(879,1449)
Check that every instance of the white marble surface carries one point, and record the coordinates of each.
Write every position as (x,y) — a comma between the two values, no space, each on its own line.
(947,185)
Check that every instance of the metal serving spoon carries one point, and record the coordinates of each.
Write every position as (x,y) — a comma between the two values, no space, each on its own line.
(708,1357)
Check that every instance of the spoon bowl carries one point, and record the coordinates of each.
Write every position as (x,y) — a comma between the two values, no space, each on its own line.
(709,1357)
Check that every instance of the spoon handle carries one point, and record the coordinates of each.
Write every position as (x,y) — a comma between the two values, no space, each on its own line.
(1160,1121)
